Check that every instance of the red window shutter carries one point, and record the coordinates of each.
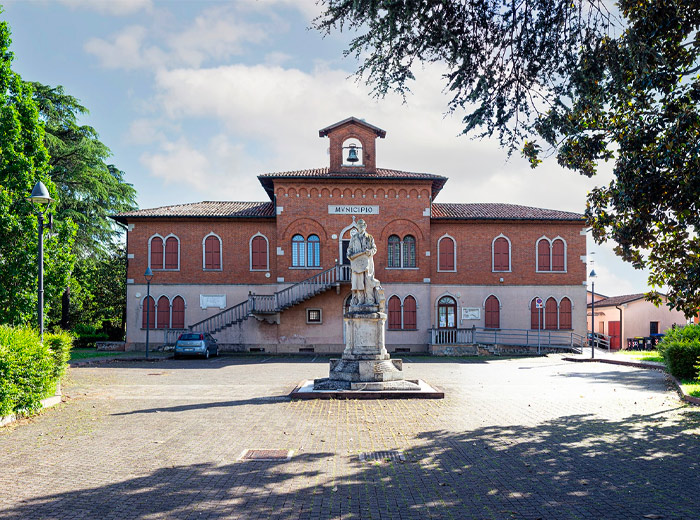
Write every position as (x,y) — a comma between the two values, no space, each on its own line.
(536,316)
(212,253)
(394,313)
(178,313)
(149,309)
(501,255)
(447,254)
(493,313)
(558,255)
(157,253)
(543,255)
(259,246)
(565,314)
(550,314)
(163,312)
(409,313)
(171,253)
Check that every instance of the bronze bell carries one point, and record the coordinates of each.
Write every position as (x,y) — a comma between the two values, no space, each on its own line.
(352,154)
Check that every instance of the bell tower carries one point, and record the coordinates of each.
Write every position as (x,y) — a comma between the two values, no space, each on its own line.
(352,145)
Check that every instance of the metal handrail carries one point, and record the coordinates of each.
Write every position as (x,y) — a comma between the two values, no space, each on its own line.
(516,337)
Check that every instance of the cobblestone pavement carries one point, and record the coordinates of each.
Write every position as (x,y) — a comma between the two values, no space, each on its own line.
(513,439)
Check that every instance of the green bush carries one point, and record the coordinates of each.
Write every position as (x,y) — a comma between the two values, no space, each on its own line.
(27,370)
(680,349)
(87,335)
(59,342)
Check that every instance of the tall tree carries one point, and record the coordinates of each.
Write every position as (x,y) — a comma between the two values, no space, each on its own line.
(24,161)
(591,86)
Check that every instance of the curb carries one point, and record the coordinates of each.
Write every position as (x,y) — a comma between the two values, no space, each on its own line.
(45,403)
(107,359)
(679,388)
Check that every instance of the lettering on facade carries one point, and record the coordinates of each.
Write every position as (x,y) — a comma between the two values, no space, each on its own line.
(352,210)
(212,300)
(471,313)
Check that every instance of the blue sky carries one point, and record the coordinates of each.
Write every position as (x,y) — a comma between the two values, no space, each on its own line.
(196,98)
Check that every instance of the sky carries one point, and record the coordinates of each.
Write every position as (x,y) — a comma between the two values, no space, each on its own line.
(197,98)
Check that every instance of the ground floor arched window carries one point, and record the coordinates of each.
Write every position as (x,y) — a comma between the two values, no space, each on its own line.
(493,313)
(447,313)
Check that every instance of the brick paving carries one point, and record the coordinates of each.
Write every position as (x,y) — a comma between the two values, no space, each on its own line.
(513,439)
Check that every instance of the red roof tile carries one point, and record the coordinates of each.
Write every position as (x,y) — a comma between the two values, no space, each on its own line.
(221,209)
(612,301)
(497,211)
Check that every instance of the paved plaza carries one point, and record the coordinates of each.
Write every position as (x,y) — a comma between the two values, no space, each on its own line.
(513,439)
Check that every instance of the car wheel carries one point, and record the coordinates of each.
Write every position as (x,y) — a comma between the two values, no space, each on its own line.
(206,353)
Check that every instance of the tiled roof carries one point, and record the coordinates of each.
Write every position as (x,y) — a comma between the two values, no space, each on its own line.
(612,301)
(222,209)
(266,179)
(497,211)
(324,131)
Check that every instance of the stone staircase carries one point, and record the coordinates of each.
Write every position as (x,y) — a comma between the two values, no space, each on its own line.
(269,304)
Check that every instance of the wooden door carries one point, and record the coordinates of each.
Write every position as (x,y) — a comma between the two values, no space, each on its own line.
(614,332)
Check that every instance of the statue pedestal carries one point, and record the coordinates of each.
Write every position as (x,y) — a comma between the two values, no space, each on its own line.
(365,364)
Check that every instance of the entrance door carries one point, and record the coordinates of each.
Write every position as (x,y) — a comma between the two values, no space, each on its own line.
(614,332)
(447,319)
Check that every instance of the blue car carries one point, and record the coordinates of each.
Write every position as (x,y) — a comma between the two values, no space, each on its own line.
(196,344)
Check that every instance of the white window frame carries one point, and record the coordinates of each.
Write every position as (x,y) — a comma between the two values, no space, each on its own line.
(204,252)
(149,252)
(500,306)
(510,255)
(551,247)
(178,252)
(250,252)
(454,252)
(320,316)
(184,300)
(403,300)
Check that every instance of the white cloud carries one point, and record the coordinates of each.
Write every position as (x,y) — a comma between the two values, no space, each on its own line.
(111,7)
(178,162)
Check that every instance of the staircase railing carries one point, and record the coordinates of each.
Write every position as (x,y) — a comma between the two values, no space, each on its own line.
(516,337)
(272,303)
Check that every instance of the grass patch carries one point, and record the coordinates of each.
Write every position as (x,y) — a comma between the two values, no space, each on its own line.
(642,355)
(87,353)
(691,387)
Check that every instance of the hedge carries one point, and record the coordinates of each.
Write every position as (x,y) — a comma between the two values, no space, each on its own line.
(680,349)
(30,370)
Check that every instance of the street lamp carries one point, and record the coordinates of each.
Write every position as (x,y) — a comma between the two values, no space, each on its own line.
(592,276)
(40,196)
(148,275)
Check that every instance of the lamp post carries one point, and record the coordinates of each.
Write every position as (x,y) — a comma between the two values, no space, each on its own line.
(40,196)
(592,277)
(148,275)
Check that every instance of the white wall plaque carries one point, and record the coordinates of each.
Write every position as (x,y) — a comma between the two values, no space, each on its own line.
(352,210)
(471,313)
(212,300)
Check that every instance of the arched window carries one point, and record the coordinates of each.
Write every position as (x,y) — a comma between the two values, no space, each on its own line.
(409,313)
(409,251)
(156,253)
(163,312)
(565,314)
(493,313)
(172,247)
(258,253)
(313,257)
(298,251)
(447,313)
(178,313)
(543,255)
(394,251)
(446,254)
(536,316)
(212,252)
(501,254)
(149,313)
(558,255)
(394,313)
(550,314)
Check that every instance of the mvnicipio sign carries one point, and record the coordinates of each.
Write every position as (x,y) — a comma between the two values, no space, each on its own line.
(352,210)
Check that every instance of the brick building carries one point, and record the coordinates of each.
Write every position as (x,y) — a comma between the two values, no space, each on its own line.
(273,275)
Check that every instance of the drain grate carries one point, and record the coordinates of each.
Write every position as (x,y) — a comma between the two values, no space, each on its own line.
(266,455)
(382,456)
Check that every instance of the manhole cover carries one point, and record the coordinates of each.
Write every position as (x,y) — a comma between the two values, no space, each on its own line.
(382,456)
(263,455)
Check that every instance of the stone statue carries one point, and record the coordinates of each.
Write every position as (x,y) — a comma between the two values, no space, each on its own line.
(366,289)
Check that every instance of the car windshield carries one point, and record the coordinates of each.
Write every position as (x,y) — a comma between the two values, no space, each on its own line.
(187,337)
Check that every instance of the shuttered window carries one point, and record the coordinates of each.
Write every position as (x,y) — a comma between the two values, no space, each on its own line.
(259,253)
(493,313)
(409,313)
(163,313)
(394,313)
(558,249)
(565,314)
(543,255)
(550,314)
(212,252)
(149,313)
(178,313)
(446,262)
(156,253)
(501,255)
(171,253)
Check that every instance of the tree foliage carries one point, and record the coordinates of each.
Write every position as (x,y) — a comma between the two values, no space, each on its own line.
(591,86)
(23,162)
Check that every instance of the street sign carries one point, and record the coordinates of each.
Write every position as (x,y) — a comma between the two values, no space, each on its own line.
(538,303)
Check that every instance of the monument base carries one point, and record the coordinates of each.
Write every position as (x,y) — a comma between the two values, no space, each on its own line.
(328,389)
